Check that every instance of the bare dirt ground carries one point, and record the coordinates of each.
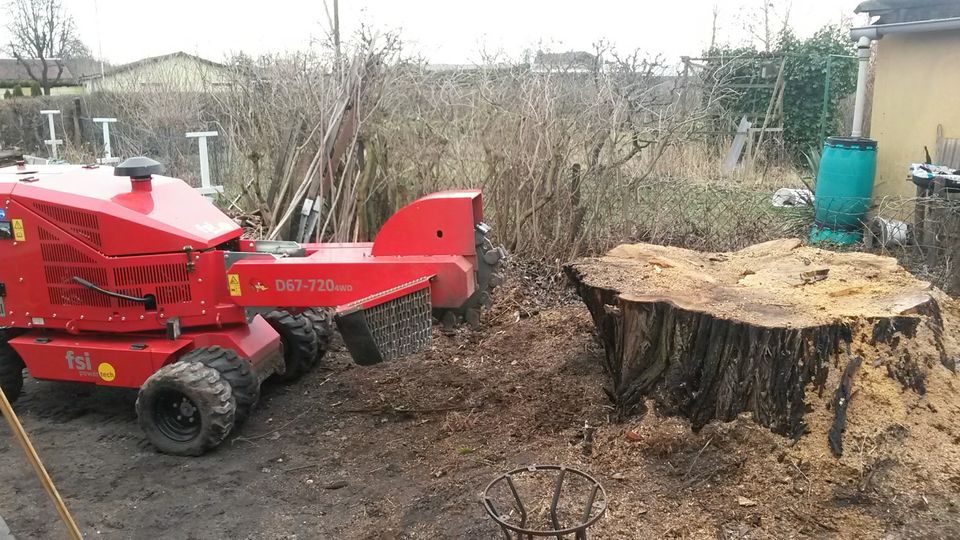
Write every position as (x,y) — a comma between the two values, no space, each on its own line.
(403,450)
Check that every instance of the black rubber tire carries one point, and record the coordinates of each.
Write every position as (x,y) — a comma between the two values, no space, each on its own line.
(207,392)
(322,321)
(11,372)
(236,371)
(299,343)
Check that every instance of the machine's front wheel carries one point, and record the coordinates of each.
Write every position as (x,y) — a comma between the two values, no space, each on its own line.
(186,408)
(11,372)
(299,343)
(236,371)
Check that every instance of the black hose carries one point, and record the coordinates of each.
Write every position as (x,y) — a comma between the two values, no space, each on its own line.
(121,296)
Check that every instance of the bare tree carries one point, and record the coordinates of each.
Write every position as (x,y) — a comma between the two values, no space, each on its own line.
(766,24)
(713,27)
(43,31)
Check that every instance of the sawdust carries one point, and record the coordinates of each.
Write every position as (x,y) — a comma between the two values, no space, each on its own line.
(764,284)
(898,477)
(899,432)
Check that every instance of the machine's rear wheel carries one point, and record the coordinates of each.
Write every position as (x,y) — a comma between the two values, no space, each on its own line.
(299,343)
(322,321)
(236,371)
(11,372)
(186,408)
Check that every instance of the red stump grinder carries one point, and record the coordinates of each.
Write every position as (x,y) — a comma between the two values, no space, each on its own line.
(121,277)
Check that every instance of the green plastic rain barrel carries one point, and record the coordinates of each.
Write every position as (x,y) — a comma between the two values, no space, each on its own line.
(844,186)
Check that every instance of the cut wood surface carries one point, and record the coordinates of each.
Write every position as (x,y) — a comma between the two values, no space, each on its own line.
(764,284)
(711,335)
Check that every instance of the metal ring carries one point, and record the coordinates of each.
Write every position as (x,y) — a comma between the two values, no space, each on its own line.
(593,503)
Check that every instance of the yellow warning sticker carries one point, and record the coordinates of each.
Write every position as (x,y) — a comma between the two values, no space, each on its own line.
(233,280)
(106,372)
(18,233)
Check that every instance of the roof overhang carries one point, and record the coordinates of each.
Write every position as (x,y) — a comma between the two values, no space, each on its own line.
(877,31)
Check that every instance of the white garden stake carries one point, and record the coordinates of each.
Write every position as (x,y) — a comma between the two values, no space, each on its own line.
(107,158)
(207,189)
(53,142)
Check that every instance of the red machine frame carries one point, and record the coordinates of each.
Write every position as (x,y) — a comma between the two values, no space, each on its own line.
(157,238)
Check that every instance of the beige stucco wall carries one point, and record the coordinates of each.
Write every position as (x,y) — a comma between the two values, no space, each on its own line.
(917,87)
(66,90)
(175,73)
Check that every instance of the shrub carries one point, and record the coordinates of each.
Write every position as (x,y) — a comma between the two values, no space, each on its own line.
(805,75)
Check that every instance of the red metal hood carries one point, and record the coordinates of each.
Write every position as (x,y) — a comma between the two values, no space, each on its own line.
(106,213)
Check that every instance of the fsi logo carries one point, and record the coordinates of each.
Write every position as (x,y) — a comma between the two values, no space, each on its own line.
(79,362)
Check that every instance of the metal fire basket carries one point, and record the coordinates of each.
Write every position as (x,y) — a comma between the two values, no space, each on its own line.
(513,528)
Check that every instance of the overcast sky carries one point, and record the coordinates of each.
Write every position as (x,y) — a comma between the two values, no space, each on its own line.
(443,31)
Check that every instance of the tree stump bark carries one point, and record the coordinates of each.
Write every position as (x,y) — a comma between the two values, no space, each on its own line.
(709,336)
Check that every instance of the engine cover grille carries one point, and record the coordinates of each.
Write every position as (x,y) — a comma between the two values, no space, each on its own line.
(62,262)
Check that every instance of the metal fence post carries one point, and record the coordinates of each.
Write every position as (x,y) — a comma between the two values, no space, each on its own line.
(827,90)
(207,189)
(53,142)
(826,100)
(107,150)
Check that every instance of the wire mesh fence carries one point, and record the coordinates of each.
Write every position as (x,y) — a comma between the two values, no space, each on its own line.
(712,217)
(922,232)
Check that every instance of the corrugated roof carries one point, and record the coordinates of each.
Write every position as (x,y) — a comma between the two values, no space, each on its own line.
(13,71)
(153,59)
(899,11)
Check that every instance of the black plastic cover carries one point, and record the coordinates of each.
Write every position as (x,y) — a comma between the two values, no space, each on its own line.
(852,142)
(358,338)
(138,167)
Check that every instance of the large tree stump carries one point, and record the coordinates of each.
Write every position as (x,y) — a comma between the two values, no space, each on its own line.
(709,336)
